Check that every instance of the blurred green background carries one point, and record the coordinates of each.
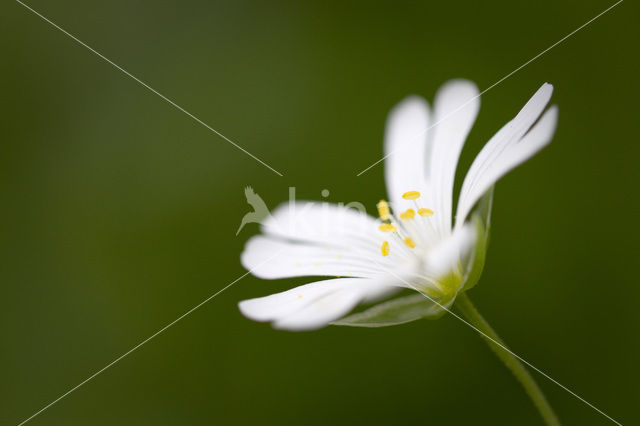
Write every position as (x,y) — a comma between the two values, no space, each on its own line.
(119,212)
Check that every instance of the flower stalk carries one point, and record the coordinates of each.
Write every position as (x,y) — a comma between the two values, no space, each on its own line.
(467,309)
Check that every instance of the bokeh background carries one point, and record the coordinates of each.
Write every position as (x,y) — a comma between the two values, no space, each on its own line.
(119,212)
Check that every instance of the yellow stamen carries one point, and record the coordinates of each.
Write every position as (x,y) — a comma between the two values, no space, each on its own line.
(387,227)
(383,210)
(425,212)
(385,248)
(408,215)
(409,242)
(411,195)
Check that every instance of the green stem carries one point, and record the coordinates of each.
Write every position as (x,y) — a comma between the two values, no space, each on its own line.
(466,308)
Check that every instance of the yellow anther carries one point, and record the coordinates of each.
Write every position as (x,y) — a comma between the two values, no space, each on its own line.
(409,242)
(408,214)
(383,210)
(411,195)
(387,227)
(425,212)
(385,248)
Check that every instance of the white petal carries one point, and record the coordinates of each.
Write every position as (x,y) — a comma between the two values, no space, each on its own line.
(321,239)
(539,137)
(405,148)
(312,305)
(278,305)
(456,108)
(501,153)
(268,257)
(321,312)
(324,223)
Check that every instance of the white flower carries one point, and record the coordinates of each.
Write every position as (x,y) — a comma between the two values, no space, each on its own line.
(419,246)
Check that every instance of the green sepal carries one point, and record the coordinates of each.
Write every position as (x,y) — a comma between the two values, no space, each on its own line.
(395,312)
(481,222)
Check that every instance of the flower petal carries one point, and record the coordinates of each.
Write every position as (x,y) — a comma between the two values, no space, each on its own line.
(456,107)
(313,305)
(324,223)
(446,257)
(269,258)
(515,143)
(405,148)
